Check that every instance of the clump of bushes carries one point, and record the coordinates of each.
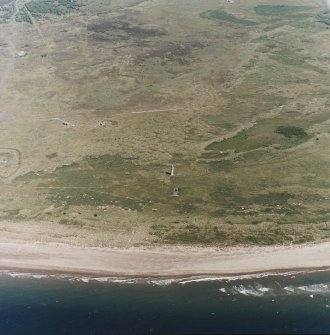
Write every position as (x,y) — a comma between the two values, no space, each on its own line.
(290,131)
(23,16)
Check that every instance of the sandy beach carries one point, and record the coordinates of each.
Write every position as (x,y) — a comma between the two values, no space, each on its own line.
(165,261)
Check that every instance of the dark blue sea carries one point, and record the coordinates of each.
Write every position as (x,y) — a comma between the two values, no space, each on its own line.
(297,303)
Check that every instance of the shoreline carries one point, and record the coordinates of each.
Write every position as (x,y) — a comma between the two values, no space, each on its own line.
(173,262)
(153,279)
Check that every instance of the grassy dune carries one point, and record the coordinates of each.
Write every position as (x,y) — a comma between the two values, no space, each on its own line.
(108,95)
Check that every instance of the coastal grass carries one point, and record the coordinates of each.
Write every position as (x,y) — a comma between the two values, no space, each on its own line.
(233,97)
(261,234)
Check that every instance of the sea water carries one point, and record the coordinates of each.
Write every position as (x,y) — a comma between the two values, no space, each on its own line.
(296,302)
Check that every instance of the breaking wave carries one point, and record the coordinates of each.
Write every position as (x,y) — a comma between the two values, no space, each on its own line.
(312,288)
(256,290)
(250,285)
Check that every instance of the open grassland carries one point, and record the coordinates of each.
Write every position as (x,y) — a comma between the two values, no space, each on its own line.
(99,99)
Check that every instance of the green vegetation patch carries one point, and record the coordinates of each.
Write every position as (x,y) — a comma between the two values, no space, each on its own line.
(213,234)
(324,18)
(119,28)
(253,155)
(222,165)
(233,204)
(101,172)
(222,16)
(292,60)
(229,196)
(89,197)
(280,10)
(114,163)
(53,155)
(180,52)
(290,131)
(23,16)
(95,181)
(186,208)
(273,199)
(287,56)
(214,155)
(37,8)
(264,134)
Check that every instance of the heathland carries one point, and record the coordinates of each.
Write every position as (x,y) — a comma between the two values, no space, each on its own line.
(99,99)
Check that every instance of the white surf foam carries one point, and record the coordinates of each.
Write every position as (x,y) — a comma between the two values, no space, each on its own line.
(289,289)
(253,289)
(197,279)
(312,288)
(162,282)
(315,288)
(250,290)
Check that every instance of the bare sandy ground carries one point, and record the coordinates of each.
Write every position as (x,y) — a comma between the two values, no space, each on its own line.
(173,261)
